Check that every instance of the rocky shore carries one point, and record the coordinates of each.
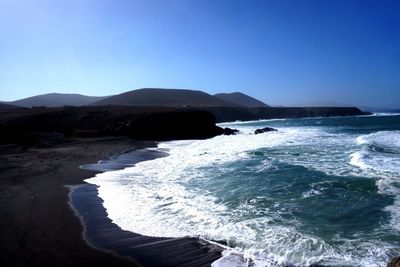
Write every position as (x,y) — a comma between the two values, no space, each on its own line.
(41,150)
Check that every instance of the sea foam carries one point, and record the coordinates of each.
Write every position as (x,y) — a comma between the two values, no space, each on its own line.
(187,194)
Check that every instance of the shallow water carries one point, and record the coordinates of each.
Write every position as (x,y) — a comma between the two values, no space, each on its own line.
(320,190)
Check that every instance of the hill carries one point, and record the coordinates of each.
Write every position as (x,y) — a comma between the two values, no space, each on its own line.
(164,97)
(241,99)
(56,100)
(4,106)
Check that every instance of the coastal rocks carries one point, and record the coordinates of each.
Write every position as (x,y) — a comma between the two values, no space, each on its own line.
(394,263)
(141,123)
(264,130)
(173,125)
(229,131)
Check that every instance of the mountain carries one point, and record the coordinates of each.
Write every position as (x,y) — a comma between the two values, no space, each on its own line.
(56,100)
(164,97)
(241,99)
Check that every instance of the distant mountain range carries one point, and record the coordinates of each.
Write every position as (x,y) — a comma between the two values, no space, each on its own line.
(157,97)
(144,97)
(56,100)
(164,97)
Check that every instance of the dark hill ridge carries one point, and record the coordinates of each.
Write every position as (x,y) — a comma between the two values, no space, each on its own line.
(164,98)
(56,100)
(241,99)
(51,125)
(4,106)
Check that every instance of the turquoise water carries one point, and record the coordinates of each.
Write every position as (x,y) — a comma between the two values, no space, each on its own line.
(318,191)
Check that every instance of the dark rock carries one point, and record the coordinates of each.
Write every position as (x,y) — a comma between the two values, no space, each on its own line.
(143,123)
(173,125)
(264,130)
(394,262)
(229,131)
(9,135)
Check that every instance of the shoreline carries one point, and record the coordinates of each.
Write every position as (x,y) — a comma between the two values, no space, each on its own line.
(39,226)
(101,233)
(133,261)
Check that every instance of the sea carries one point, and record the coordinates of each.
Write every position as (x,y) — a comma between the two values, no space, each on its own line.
(319,191)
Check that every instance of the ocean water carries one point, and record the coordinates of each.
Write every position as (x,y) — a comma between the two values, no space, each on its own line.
(318,191)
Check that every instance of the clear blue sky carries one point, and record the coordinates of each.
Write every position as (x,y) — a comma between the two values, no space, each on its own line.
(282,52)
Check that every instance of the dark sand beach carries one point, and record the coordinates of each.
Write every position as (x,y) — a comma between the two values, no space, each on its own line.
(39,228)
(148,251)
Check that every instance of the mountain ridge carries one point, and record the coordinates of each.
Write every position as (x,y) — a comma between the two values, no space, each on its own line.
(241,99)
(164,97)
(55,100)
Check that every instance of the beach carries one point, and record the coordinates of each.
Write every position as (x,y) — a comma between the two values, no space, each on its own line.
(39,228)
(247,191)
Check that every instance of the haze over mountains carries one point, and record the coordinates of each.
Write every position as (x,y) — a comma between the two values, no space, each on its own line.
(144,97)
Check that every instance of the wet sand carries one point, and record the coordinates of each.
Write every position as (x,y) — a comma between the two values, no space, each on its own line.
(149,251)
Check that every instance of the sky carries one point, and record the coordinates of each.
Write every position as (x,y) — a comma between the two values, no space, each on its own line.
(281,52)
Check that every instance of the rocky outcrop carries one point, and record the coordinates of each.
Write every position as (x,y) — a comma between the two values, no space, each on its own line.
(172,126)
(264,130)
(229,131)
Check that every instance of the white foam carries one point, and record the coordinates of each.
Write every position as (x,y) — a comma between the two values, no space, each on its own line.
(380,152)
(384,114)
(243,123)
(383,163)
(233,258)
(385,139)
(156,193)
(357,159)
(311,193)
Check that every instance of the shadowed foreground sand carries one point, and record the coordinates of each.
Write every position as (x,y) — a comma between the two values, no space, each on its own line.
(37,225)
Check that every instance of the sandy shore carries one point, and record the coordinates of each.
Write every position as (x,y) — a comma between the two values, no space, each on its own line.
(149,251)
(37,225)
(39,228)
